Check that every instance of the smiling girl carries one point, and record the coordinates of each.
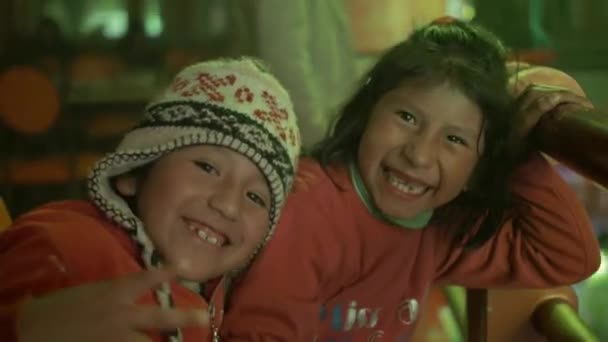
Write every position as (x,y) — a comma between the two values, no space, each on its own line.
(421,182)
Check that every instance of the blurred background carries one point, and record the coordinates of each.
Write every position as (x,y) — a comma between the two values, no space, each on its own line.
(75,74)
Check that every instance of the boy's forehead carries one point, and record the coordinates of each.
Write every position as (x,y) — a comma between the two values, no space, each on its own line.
(199,151)
(220,153)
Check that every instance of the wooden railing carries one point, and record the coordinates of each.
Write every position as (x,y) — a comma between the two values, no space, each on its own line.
(557,320)
(579,141)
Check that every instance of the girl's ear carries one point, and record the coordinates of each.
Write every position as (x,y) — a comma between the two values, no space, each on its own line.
(126,185)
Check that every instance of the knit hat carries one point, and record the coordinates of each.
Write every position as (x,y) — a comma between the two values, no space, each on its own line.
(230,103)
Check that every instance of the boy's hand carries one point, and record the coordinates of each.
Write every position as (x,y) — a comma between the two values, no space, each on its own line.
(104,311)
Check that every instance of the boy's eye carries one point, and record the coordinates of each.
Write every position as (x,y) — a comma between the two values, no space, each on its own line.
(457,140)
(407,116)
(203,165)
(255,198)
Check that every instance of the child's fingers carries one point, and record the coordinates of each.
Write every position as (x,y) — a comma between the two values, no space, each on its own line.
(546,98)
(569,108)
(574,99)
(155,318)
(539,100)
(130,287)
(553,100)
(535,93)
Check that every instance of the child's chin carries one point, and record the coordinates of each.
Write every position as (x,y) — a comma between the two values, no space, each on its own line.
(187,270)
(399,213)
(198,276)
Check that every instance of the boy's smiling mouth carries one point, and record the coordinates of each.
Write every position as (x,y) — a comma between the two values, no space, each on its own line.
(207,234)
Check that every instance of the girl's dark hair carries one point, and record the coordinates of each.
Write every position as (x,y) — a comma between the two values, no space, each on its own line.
(473,60)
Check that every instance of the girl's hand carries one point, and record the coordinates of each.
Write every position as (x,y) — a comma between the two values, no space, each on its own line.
(103,311)
(538,100)
(541,90)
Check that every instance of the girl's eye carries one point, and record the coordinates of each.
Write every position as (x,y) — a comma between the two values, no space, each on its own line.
(255,198)
(407,116)
(207,167)
(457,140)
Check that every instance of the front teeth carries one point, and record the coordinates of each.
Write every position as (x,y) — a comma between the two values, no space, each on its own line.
(204,236)
(409,188)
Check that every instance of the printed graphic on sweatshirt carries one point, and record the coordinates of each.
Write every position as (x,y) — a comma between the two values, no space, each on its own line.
(351,318)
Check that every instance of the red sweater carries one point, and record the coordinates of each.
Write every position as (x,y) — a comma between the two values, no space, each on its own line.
(334,272)
(72,243)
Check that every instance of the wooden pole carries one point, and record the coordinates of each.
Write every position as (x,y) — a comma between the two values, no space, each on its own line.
(477,315)
(557,320)
(577,140)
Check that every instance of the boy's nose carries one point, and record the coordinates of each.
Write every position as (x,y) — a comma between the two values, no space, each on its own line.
(226,201)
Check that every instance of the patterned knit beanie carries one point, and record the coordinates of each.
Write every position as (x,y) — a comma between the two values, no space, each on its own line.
(230,103)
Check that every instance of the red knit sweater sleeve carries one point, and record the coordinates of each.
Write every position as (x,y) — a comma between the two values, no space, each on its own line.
(281,295)
(548,242)
(29,266)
